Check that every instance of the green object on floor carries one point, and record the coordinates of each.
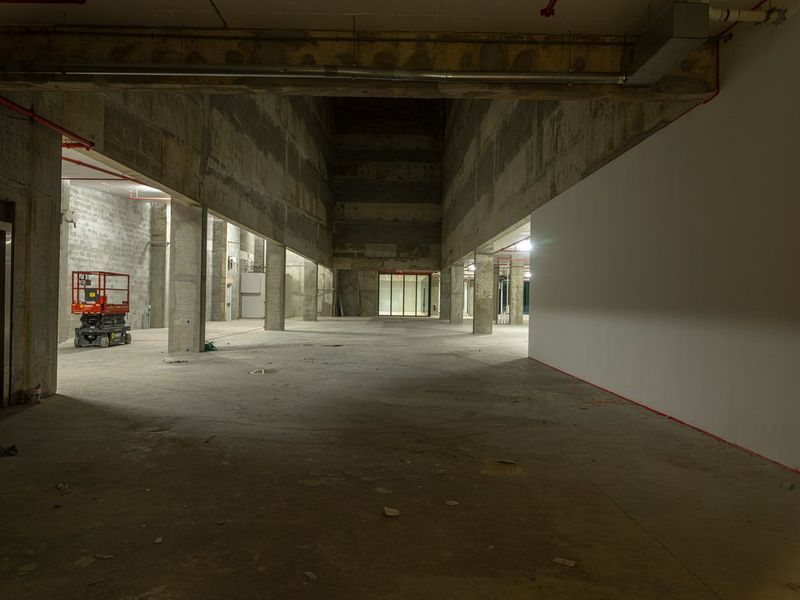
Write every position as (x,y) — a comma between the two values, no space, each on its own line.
(210,347)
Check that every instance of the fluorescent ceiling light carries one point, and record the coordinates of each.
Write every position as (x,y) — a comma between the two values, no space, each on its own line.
(525,246)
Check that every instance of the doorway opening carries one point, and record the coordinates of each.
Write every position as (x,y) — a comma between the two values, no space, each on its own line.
(404,295)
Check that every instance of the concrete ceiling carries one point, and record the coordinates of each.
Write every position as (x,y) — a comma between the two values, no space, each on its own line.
(576,16)
(83,176)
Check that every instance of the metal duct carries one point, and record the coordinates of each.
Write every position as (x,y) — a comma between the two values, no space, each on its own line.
(682,28)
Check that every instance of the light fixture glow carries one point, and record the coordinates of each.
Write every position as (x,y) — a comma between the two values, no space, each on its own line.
(471,267)
(527,274)
(525,246)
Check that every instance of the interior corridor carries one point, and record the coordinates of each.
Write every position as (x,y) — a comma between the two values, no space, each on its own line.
(202,476)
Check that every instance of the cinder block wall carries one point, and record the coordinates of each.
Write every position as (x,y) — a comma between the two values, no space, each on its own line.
(111,233)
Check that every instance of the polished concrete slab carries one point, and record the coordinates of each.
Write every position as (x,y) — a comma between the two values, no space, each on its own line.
(214,479)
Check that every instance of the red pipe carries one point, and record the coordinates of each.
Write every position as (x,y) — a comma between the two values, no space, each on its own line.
(80,163)
(550,9)
(83,142)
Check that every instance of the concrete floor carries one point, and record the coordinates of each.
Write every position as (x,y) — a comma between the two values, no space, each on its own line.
(205,481)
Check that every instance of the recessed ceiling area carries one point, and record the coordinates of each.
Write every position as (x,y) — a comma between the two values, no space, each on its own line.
(575,16)
(82,170)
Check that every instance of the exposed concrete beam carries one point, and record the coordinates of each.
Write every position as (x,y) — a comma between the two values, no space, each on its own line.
(339,63)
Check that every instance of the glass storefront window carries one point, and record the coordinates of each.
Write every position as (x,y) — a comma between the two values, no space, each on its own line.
(385,295)
(404,295)
(397,295)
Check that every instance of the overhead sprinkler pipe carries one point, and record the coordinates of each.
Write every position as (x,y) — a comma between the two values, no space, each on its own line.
(314,72)
(29,113)
(550,9)
(776,16)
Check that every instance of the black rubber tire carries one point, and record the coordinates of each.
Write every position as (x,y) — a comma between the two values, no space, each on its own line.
(128,338)
(78,341)
(105,341)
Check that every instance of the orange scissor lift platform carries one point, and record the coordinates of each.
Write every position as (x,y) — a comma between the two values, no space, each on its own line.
(102,298)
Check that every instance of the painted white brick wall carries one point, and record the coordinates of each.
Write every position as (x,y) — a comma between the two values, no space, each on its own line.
(112,234)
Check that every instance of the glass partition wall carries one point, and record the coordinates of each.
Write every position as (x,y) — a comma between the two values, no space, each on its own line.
(404,295)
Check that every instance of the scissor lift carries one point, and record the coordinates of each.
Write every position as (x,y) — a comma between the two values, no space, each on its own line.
(102,299)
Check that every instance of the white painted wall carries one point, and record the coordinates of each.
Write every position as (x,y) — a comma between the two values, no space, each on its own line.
(672,275)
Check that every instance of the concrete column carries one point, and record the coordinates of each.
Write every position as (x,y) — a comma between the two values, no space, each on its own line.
(496,293)
(434,299)
(259,258)
(274,319)
(483,311)
(66,329)
(158,264)
(310,282)
(187,277)
(30,178)
(457,294)
(516,293)
(219,270)
(324,294)
(234,246)
(445,291)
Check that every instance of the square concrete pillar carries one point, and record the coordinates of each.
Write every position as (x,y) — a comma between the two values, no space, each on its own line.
(445,290)
(159,236)
(496,293)
(516,293)
(187,277)
(275,297)
(457,294)
(483,303)
(310,283)
(219,270)
(30,199)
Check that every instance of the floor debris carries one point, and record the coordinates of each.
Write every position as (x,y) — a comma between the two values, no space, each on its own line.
(158,540)
(311,575)
(10,451)
(505,461)
(564,562)
(383,490)
(257,372)
(788,486)
(390,512)
(451,502)
(104,556)
(63,488)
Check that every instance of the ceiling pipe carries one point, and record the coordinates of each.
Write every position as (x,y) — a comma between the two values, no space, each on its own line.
(775,16)
(756,15)
(312,72)
(81,163)
(30,114)
(550,9)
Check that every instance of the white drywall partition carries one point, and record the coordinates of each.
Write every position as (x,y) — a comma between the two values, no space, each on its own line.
(672,275)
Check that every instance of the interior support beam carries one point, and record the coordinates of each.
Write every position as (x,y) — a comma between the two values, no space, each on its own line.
(187,267)
(341,63)
(483,309)
(275,296)
(457,293)
(310,283)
